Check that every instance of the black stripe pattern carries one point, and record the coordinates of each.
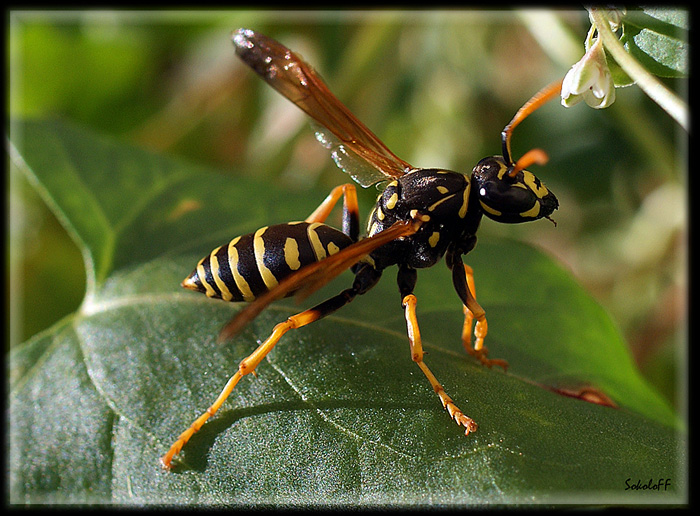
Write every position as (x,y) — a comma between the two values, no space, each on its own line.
(253,264)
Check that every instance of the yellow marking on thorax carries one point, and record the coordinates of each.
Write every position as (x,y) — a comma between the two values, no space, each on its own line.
(210,292)
(214,261)
(442,189)
(380,213)
(315,241)
(392,201)
(371,215)
(259,250)
(240,281)
(438,203)
(434,238)
(291,253)
(465,201)
(414,214)
(332,249)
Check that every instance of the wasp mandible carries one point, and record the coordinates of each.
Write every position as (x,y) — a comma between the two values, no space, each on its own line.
(421,215)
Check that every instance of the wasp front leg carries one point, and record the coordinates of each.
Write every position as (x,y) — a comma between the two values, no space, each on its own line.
(463,279)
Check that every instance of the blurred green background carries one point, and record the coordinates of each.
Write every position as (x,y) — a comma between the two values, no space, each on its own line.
(437,86)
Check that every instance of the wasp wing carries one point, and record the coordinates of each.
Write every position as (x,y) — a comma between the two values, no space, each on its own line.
(362,172)
(286,72)
(310,278)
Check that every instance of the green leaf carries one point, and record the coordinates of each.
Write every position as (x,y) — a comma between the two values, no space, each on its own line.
(338,414)
(658,39)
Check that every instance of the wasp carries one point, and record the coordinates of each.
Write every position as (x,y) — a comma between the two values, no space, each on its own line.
(421,216)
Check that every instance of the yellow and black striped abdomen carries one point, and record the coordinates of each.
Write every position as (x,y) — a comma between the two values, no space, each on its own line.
(253,264)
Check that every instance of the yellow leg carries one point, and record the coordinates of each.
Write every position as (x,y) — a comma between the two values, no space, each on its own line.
(409,303)
(351,210)
(166,460)
(349,194)
(249,364)
(472,310)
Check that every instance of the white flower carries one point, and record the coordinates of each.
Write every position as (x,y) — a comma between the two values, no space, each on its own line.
(589,80)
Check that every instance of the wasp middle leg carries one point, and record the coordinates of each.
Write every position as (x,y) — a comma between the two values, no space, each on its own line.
(407,281)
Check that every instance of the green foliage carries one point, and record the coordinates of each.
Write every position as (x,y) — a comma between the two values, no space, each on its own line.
(339,414)
(658,39)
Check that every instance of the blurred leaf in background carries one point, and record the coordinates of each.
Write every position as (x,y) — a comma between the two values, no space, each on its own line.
(437,87)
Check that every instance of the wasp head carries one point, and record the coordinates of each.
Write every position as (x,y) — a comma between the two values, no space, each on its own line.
(511,197)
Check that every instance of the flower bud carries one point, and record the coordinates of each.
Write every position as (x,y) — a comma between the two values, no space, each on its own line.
(589,80)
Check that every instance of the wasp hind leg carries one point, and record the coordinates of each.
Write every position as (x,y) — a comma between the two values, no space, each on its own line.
(249,363)
(351,212)
(407,279)
(463,278)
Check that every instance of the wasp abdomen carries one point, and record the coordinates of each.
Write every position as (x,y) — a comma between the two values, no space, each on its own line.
(253,264)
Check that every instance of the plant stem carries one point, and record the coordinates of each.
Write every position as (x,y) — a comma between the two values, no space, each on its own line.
(649,84)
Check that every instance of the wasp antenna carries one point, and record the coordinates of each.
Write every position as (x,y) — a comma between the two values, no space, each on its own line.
(534,156)
(538,100)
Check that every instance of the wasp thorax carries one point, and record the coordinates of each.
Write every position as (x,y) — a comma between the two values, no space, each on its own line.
(511,199)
